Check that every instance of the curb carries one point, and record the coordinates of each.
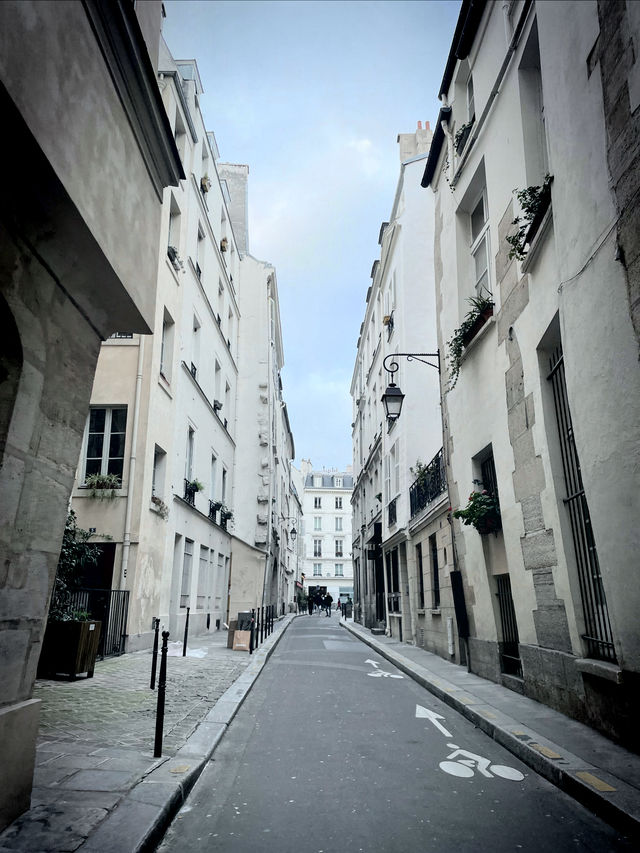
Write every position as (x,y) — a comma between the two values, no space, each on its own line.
(140,820)
(586,783)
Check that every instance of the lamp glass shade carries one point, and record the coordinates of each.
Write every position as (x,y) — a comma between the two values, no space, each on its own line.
(293,533)
(392,401)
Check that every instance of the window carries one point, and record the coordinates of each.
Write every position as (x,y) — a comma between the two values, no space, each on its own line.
(338,482)
(317,570)
(317,503)
(185,588)
(200,253)
(317,547)
(338,503)
(223,494)
(106,432)
(188,466)
(479,223)
(420,576)
(339,552)
(471,106)
(202,578)
(339,570)
(317,522)
(435,585)
(338,522)
(317,482)
(212,487)
(195,346)
(532,111)
(159,469)
(166,346)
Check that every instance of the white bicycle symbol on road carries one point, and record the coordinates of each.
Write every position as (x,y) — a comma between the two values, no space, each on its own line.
(380,673)
(468,762)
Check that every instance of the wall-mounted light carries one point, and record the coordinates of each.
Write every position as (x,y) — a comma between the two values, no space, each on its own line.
(393,397)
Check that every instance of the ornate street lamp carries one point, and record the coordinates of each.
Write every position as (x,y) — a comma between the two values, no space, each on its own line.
(293,533)
(393,396)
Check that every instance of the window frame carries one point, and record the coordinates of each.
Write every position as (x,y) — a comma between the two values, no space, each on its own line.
(106,441)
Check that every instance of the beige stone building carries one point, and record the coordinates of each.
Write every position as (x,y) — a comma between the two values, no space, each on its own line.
(79,224)
(544,416)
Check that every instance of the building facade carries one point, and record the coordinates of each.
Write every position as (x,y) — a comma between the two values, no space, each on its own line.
(326,506)
(78,252)
(541,402)
(403,555)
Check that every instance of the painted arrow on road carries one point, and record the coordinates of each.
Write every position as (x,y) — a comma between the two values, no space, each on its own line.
(425,713)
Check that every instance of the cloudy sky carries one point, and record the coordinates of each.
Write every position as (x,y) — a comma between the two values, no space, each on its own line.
(312,95)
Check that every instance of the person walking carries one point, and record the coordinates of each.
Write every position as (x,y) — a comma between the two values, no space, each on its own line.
(310,604)
(328,601)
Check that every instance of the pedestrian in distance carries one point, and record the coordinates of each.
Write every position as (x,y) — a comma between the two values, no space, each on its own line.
(338,606)
(328,601)
(310,605)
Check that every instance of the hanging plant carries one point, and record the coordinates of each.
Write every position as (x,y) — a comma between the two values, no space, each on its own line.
(482,512)
(481,310)
(534,202)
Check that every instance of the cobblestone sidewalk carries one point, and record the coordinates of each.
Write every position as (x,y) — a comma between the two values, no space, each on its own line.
(96,738)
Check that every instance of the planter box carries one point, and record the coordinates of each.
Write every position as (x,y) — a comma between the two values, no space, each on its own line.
(479,322)
(489,524)
(69,648)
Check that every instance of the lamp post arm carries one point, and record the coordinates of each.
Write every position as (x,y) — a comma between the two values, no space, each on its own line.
(391,366)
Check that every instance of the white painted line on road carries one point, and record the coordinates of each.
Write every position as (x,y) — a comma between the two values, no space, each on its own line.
(381,673)
(426,714)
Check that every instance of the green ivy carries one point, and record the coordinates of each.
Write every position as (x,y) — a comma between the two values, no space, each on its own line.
(532,200)
(76,554)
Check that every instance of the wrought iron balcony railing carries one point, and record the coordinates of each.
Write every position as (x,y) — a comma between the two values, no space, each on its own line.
(429,485)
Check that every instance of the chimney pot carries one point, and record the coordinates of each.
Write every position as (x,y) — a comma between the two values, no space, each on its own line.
(419,125)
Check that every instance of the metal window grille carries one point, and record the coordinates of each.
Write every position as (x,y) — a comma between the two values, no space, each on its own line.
(435,589)
(598,634)
(429,485)
(510,662)
(393,514)
(111,607)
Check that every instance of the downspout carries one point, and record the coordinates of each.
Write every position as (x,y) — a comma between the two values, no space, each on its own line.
(270,434)
(126,539)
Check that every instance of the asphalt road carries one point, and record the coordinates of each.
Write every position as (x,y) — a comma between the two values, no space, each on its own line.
(336,750)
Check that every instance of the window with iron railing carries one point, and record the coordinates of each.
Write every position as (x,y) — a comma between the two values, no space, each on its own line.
(393,512)
(428,485)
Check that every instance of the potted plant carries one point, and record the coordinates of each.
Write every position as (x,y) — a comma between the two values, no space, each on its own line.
(224,244)
(205,183)
(225,516)
(475,319)
(71,638)
(534,202)
(103,485)
(482,512)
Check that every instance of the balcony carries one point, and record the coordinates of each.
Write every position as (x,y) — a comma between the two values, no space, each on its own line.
(190,490)
(393,512)
(430,483)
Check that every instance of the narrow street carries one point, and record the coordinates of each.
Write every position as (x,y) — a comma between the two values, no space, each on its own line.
(336,750)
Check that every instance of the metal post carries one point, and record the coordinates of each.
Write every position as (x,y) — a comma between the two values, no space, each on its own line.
(154,662)
(186,634)
(262,623)
(162,683)
(251,630)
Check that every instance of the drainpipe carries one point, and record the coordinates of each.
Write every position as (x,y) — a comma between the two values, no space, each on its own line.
(126,540)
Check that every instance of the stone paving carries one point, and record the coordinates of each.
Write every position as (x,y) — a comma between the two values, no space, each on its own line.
(96,737)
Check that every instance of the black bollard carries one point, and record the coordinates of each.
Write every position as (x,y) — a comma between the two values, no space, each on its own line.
(186,634)
(162,684)
(154,662)
(262,624)
(252,630)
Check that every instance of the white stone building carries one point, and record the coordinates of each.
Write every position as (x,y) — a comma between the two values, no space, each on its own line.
(166,405)
(402,552)
(545,413)
(80,217)
(199,453)
(327,537)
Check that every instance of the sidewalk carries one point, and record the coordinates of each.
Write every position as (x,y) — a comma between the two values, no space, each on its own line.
(601,775)
(97,787)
